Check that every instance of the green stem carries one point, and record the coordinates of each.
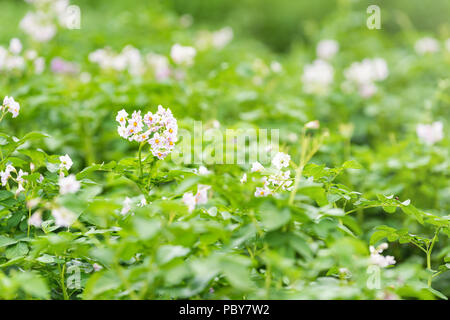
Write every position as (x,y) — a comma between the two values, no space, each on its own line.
(63,285)
(140,159)
(29,217)
(429,250)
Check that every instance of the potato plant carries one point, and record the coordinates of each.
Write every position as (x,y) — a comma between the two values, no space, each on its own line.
(119,179)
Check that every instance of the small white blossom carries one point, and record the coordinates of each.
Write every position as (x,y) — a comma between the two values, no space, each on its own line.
(5,175)
(68,184)
(66,162)
(182,55)
(426,45)
(203,171)
(315,124)
(257,167)
(15,46)
(189,200)
(317,77)
(126,206)
(142,203)
(63,217)
(244,178)
(363,75)
(281,160)
(377,259)
(97,267)
(10,105)
(36,219)
(222,37)
(33,203)
(276,67)
(20,181)
(430,133)
(262,192)
(326,49)
(201,197)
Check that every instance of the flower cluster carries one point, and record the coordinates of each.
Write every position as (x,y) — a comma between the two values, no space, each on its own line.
(217,39)
(426,45)
(317,77)
(377,259)
(41,23)
(12,59)
(326,49)
(182,55)
(201,197)
(430,133)
(6,175)
(364,74)
(61,66)
(158,129)
(9,105)
(67,184)
(129,59)
(159,64)
(275,178)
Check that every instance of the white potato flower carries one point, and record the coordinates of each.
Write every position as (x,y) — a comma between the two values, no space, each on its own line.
(63,217)
(203,171)
(159,130)
(315,124)
(257,167)
(222,37)
(317,77)
(426,45)
(430,133)
(15,46)
(126,206)
(201,197)
(36,219)
(281,160)
(68,184)
(377,259)
(182,54)
(326,49)
(10,105)
(262,192)
(66,162)
(363,75)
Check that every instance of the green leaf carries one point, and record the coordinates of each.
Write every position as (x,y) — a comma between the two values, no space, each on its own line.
(146,229)
(34,135)
(5,194)
(413,211)
(18,250)
(33,284)
(272,218)
(352,164)
(377,236)
(438,293)
(5,241)
(167,253)
(95,167)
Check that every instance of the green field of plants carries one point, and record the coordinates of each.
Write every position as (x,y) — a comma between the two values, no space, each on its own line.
(218,150)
